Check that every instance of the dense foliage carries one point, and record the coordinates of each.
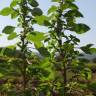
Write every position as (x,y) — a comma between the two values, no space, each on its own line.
(57,69)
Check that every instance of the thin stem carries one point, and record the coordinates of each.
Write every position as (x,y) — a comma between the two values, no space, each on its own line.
(23,43)
(59,34)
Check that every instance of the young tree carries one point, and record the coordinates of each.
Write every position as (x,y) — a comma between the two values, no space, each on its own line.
(62,20)
(24,11)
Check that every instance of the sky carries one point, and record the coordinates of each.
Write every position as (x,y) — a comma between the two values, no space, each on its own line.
(86,7)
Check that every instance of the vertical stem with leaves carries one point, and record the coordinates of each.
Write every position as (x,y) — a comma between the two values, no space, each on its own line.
(23,41)
(63,19)
(24,11)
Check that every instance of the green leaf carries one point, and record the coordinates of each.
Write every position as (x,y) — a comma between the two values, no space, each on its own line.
(89,45)
(93,50)
(38,44)
(80,28)
(13,3)
(41,19)
(69,0)
(43,51)
(70,21)
(8,29)
(55,0)
(37,12)
(12,47)
(14,15)
(6,11)
(2,50)
(45,63)
(52,9)
(12,36)
(69,5)
(73,13)
(86,48)
(88,73)
(74,39)
(33,3)
(35,36)
(83,86)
